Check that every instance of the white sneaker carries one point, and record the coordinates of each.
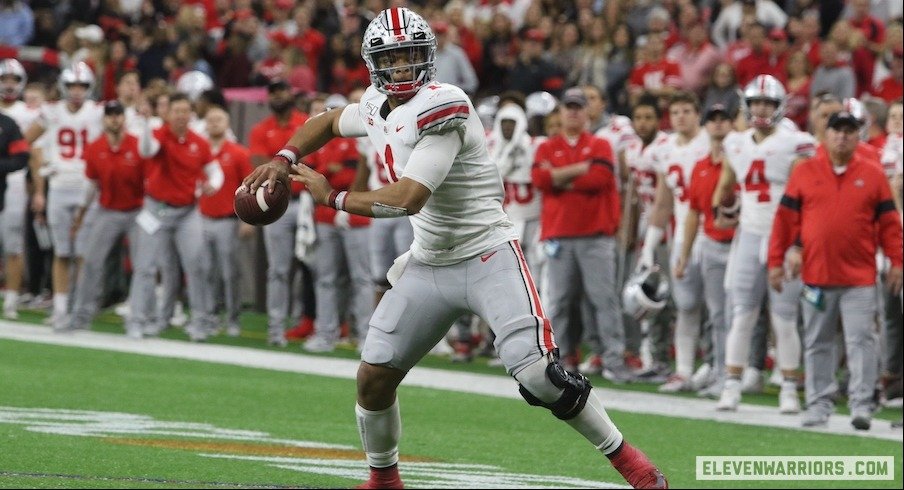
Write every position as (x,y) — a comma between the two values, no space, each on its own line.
(751,380)
(675,384)
(233,331)
(319,344)
(776,379)
(10,313)
(731,396)
(702,377)
(788,401)
(122,309)
(179,318)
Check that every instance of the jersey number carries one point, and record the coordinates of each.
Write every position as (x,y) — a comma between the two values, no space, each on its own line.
(676,176)
(389,162)
(518,193)
(69,144)
(756,181)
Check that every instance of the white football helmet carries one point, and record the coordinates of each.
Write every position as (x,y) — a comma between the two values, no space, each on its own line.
(78,74)
(11,67)
(399,31)
(764,87)
(486,110)
(193,83)
(646,292)
(540,104)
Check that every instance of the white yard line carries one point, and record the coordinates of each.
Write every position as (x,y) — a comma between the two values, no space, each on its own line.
(481,384)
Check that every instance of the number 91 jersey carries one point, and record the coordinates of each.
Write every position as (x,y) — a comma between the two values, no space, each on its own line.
(762,169)
(67,134)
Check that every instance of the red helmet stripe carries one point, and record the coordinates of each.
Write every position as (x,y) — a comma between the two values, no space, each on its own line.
(396,24)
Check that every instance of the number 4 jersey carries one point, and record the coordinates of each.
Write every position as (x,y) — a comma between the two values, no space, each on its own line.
(762,169)
(67,134)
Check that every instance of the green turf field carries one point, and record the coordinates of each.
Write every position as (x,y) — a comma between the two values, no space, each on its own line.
(193,424)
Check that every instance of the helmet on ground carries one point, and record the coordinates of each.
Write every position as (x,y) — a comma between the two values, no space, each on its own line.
(646,292)
(396,41)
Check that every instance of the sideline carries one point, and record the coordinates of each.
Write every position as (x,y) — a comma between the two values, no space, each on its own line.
(481,384)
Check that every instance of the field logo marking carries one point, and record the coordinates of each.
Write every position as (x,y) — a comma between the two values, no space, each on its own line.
(313,457)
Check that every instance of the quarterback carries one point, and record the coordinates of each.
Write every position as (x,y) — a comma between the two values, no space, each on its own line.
(465,249)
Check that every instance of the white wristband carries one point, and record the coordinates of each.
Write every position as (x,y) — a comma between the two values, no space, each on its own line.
(340,200)
(288,155)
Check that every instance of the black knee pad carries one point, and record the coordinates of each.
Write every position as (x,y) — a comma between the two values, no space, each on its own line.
(576,390)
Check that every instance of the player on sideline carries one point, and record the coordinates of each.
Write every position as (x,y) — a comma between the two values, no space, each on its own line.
(465,250)
(71,124)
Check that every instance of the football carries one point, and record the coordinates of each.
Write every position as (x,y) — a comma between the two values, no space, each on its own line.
(262,207)
(729,205)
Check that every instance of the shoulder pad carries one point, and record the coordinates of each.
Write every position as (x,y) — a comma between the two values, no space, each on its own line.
(444,108)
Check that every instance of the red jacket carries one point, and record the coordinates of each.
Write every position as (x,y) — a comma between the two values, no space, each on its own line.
(235,161)
(338,162)
(838,220)
(119,172)
(174,173)
(704,180)
(591,205)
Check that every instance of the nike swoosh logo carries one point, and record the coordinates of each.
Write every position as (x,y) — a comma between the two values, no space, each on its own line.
(484,258)
(399,128)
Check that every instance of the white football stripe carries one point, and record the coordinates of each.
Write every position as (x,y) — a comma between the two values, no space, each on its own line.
(262,199)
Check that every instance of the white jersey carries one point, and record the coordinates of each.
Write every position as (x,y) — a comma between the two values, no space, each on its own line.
(464,215)
(515,159)
(893,155)
(619,132)
(24,117)
(762,169)
(68,134)
(640,162)
(675,162)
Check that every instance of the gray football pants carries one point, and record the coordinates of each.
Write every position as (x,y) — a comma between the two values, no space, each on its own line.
(180,227)
(857,308)
(417,312)
(279,240)
(713,263)
(585,264)
(107,230)
(221,267)
(338,248)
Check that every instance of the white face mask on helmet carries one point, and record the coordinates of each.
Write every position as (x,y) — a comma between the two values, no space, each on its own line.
(12,67)
(645,293)
(398,34)
(764,87)
(78,74)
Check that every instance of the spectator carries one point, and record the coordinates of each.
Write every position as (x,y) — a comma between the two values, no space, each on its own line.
(273,67)
(876,118)
(797,81)
(500,54)
(566,47)
(654,74)
(805,32)
(833,75)
(696,56)
(810,214)
(298,73)
(532,72)
(452,65)
(118,64)
(873,29)
(234,65)
(725,28)
(892,87)
(618,68)
(760,60)
(309,40)
(590,64)
(17,25)
(466,37)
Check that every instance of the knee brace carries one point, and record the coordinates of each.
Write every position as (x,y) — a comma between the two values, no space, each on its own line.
(575,390)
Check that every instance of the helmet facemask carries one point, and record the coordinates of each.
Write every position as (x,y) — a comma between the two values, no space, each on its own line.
(401,70)
(764,122)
